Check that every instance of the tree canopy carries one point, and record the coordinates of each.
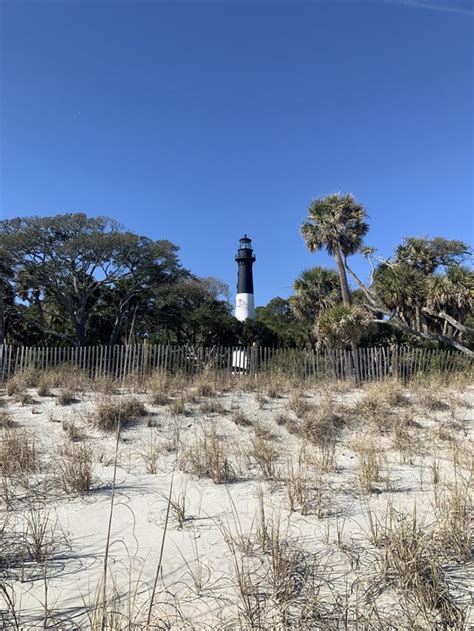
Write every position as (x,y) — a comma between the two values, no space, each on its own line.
(73,279)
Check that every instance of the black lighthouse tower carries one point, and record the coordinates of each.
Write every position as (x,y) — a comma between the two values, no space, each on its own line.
(244,302)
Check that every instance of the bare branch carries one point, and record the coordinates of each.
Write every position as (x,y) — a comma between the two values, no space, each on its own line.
(434,337)
(449,319)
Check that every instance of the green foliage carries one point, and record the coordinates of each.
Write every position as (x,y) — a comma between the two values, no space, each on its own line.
(453,291)
(316,289)
(280,320)
(256,332)
(336,223)
(426,255)
(399,286)
(427,290)
(190,312)
(63,263)
(341,324)
(78,280)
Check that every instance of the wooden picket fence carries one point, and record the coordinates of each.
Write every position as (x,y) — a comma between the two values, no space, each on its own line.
(366,364)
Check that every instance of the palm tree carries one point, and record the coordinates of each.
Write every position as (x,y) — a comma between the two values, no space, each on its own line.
(341,324)
(451,295)
(316,289)
(401,289)
(452,292)
(336,223)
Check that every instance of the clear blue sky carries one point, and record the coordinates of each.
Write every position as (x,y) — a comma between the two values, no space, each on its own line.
(199,121)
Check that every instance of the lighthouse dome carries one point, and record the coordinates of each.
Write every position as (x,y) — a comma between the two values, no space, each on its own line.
(245,243)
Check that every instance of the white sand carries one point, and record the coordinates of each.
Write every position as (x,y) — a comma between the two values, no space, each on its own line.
(198,577)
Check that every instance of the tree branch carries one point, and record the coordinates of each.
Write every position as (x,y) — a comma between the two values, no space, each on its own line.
(46,331)
(435,337)
(370,295)
(452,321)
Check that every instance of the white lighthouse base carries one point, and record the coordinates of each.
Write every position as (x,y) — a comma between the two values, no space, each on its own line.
(244,307)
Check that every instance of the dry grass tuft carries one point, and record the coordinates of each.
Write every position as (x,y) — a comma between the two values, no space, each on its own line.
(109,413)
(178,407)
(430,396)
(454,526)
(208,457)
(18,452)
(66,396)
(159,398)
(298,488)
(212,406)
(411,561)
(20,382)
(263,452)
(75,468)
(320,424)
(241,419)
(64,376)
(23,398)
(43,389)
(178,507)
(274,391)
(290,424)
(298,404)
(153,451)
(72,431)
(6,420)
(369,464)
(205,386)
(104,385)
(380,404)
(40,534)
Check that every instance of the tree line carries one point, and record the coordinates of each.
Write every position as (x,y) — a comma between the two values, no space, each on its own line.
(75,280)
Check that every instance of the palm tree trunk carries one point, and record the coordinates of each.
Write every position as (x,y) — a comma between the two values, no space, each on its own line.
(346,296)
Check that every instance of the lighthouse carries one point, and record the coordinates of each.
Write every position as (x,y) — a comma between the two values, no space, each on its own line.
(244,302)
